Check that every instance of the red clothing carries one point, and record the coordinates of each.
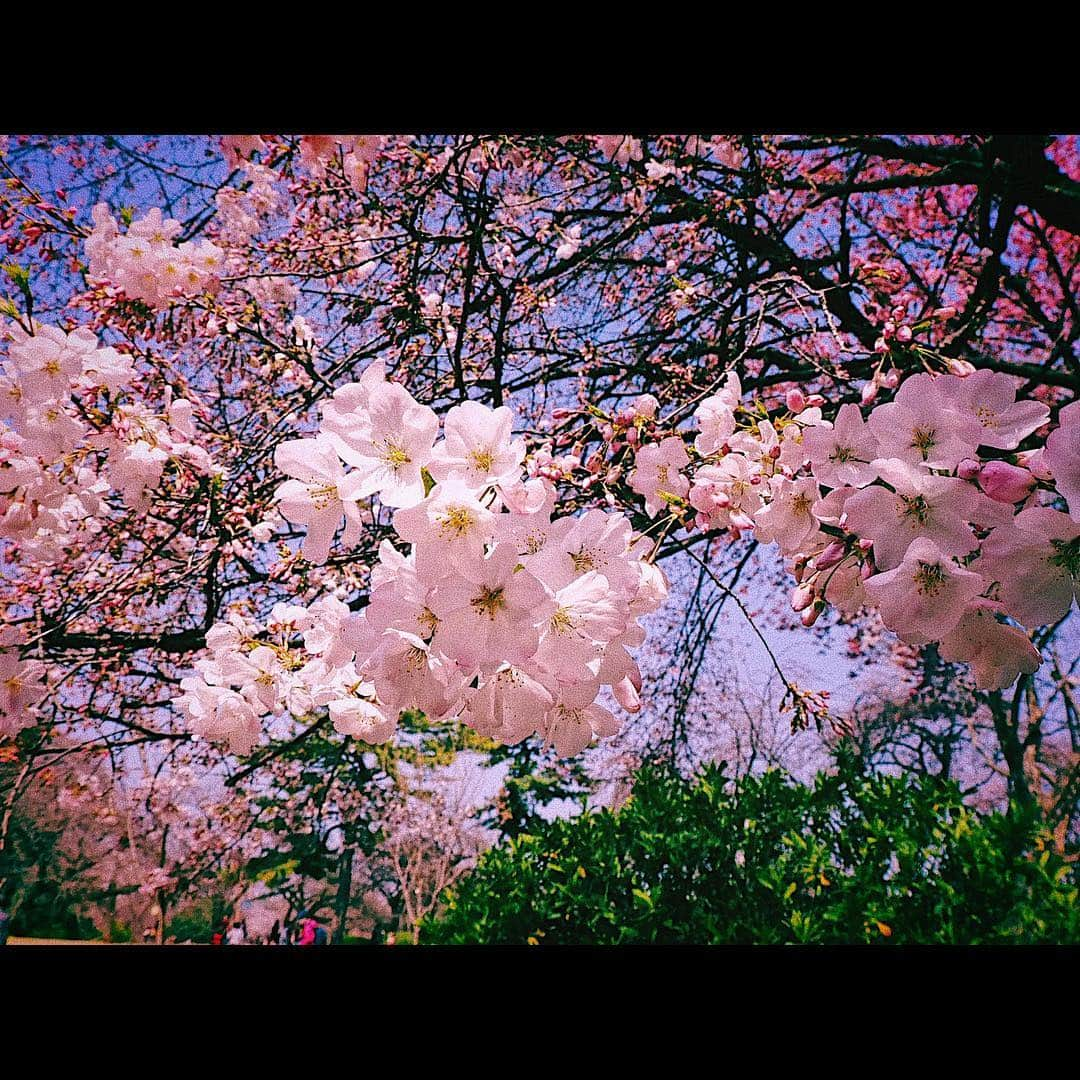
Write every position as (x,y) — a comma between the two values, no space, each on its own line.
(307,932)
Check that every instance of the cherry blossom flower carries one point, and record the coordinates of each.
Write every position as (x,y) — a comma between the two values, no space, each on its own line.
(788,518)
(21,688)
(921,504)
(923,427)
(389,446)
(361,719)
(998,653)
(477,447)
(924,597)
(990,398)
(320,495)
(656,474)
(488,612)
(449,528)
(508,707)
(1062,456)
(842,455)
(1036,559)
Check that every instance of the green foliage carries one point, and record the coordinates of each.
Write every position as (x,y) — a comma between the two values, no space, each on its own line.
(855,858)
(193,923)
(119,933)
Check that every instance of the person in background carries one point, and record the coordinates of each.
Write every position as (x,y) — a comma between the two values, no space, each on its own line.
(307,932)
(235,936)
(275,933)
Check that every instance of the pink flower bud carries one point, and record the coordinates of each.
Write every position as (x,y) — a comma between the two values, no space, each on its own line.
(865,544)
(774,452)
(561,414)
(632,436)
(904,334)
(741,521)
(944,313)
(832,554)
(869,393)
(961,368)
(795,400)
(811,614)
(891,379)
(802,597)
(815,401)
(607,433)
(889,329)
(968,469)
(1006,483)
(881,345)
(867,570)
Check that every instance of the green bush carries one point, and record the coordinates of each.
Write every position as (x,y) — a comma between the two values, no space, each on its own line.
(854,858)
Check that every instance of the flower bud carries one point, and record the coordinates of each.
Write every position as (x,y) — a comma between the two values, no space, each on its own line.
(869,393)
(832,554)
(812,613)
(802,597)
(881,345)
(968,469)
(795,400)
(904,334)
(891,379)
(815,401)
(1006,483)
(632,436)
(961,368)
(944,313)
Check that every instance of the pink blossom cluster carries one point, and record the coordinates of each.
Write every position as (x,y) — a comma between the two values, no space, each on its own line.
(22,684)
(500,614)
(146,263)
(64,405)
(921,509)
(358,153)
(70,435)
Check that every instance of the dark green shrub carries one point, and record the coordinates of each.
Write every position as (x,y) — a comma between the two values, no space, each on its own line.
(854,858)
